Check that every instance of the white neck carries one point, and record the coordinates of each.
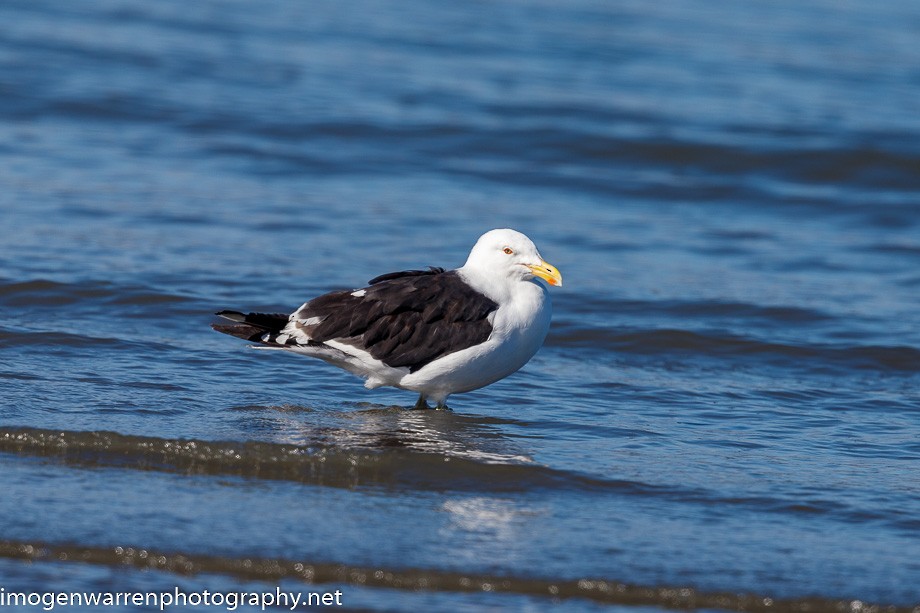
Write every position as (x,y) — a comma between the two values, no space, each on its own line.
(499,288)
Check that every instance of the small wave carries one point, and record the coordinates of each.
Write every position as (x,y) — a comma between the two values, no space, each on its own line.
(895,249)
(53,338)
(18,376)
(675,341)
(433,580)
(594,136)
(46,293)
(43,291)
(317,463)
(386,460)
(705,309)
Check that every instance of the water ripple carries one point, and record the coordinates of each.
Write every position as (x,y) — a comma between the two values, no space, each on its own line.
(685,342)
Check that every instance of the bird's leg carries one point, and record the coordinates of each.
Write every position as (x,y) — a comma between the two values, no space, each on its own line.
(442,405)
(421,404)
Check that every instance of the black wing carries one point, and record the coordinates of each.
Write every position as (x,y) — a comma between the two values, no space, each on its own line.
(432,270)
(405,319)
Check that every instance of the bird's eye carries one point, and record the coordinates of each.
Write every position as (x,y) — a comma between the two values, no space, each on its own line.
(508,250)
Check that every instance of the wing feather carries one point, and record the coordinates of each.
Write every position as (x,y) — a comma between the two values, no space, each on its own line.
(405,319)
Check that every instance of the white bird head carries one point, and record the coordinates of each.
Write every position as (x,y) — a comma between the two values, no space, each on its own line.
(509,254)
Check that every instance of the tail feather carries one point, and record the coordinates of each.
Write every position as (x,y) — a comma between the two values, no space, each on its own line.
(247,333)
(266,331)
(266,321)
(252,326)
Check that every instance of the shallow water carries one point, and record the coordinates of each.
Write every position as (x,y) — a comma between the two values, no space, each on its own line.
(729,398)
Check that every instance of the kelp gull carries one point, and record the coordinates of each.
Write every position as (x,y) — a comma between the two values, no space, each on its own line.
(433,332)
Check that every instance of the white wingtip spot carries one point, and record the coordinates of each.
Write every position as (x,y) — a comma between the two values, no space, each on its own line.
(359,293)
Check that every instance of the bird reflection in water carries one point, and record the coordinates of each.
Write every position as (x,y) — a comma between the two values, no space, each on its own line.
(381,427)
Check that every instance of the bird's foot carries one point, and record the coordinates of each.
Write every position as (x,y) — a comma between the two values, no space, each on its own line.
(421,404)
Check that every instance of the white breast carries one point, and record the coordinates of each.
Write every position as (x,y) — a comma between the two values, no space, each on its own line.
(520,326)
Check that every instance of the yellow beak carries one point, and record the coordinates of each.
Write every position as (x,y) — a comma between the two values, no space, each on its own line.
(547,272)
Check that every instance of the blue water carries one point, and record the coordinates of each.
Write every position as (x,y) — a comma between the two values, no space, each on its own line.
(729,397)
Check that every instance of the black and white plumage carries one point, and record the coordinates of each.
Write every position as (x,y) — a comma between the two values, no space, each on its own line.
(434,332)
